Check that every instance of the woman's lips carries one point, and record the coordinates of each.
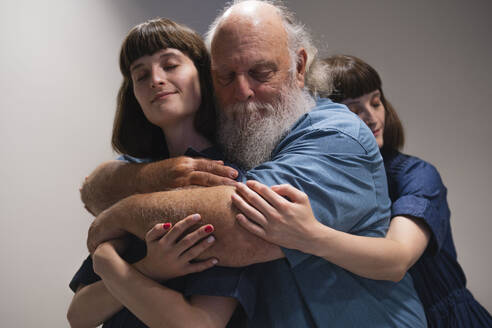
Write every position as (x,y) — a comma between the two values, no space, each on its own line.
(162,95)
(376,132)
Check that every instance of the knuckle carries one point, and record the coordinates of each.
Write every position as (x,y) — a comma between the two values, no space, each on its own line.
(187,241)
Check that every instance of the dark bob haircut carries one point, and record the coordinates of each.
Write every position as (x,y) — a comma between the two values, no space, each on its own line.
(350,77)
(133,134)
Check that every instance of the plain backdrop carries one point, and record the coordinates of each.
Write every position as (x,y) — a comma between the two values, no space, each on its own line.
(58,82)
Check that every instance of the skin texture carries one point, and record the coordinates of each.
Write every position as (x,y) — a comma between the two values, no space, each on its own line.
(114,180)
(249,57)
(137,214)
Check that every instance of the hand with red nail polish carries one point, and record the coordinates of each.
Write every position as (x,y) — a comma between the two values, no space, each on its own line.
(170,249)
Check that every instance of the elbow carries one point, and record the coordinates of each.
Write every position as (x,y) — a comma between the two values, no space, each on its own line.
(398,272)
(397,276)
(74,319)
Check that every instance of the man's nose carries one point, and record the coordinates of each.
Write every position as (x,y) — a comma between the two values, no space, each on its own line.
(242,88)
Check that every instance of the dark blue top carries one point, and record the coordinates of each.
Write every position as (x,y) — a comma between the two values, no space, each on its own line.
(416,190)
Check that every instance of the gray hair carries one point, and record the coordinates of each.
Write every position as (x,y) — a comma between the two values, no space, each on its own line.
(297,34)
(319,79)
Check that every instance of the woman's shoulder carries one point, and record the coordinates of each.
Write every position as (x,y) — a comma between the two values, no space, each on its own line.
(411,171)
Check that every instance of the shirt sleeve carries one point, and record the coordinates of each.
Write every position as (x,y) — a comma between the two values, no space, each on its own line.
(238,283)
(423,195)
(343,176)
(85,275)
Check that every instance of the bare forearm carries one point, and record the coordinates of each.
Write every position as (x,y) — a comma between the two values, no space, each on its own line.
(375,258)
(154,304)
(92,305)
(234,246)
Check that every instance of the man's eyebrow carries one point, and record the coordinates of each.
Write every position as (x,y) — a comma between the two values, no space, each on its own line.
(265,64)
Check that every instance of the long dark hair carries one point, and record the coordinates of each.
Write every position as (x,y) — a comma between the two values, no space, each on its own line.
(351,77)
(133,134)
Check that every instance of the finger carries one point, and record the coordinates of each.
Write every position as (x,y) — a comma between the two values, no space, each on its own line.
(294,194)
(157,231)
(252,213)
(179,228)
(250,226)
(193,252)
(209,180)
(267,194)
(202,265)
(213,167)
(192,238)
(255,200)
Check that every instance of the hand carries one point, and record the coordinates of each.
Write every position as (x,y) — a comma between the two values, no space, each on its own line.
(169,256)
(286,222)
(184,171)
(102,230)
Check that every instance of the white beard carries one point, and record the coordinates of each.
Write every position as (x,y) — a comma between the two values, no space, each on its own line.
(251,130)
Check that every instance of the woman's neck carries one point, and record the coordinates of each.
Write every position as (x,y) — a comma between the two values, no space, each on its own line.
(183,136)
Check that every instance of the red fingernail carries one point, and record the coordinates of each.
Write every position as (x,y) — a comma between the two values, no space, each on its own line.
(209,229)
(166,225)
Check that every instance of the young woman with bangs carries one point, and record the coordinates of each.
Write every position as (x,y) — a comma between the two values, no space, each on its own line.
(419,238)
(165,110)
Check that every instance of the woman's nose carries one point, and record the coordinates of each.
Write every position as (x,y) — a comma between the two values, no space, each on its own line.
(158,78)
(368,116)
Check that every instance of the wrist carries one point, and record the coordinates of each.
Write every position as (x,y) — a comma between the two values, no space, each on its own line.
(145,179)
(142,267)
(102,259)
(321,234)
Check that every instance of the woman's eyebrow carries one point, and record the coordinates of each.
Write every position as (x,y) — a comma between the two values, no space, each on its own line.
(352,102)
(134,67)
(167,54)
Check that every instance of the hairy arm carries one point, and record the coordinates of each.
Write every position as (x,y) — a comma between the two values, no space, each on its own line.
(114,180)
(139,213)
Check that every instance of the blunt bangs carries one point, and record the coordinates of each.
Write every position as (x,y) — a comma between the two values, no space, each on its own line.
(351,77)
(147,38)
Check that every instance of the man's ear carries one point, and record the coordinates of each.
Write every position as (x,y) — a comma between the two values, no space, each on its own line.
(301,67)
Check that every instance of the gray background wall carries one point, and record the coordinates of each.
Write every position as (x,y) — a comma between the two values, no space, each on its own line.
(58,82)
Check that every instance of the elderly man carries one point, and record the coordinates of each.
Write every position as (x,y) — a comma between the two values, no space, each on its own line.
(271,127)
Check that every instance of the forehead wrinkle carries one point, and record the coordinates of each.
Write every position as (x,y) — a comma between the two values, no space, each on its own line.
(243,37)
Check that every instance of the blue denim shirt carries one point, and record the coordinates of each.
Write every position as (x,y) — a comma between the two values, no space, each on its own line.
(333,157)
